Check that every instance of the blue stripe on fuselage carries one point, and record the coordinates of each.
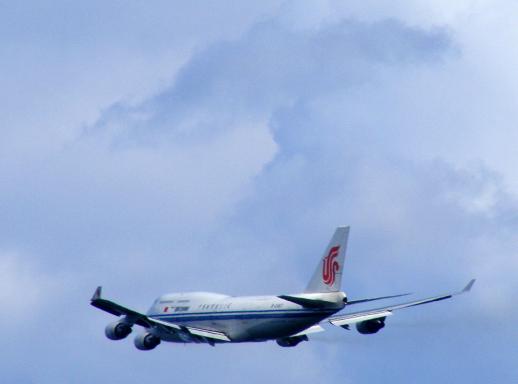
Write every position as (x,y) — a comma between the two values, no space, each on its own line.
(241,315)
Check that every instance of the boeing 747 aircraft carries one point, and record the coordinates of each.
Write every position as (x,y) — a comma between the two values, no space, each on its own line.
(203,317)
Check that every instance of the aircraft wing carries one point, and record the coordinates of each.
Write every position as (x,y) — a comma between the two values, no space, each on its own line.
(345,320)
(134,317)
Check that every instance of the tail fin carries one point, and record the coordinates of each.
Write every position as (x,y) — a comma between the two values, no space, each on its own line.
(328,275)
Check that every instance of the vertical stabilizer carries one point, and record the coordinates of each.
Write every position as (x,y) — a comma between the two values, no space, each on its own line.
(328,275)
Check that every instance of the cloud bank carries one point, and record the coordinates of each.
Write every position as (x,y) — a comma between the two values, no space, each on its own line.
(232,141)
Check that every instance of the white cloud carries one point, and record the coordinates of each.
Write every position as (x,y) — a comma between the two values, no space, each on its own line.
(24,288)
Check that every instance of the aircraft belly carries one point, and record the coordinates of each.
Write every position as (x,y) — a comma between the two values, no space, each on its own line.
(260,329)
(268,329)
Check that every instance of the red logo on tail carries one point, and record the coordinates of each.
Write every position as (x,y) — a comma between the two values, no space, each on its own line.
(330,266)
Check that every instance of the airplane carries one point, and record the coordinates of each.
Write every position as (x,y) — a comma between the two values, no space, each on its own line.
(213,318)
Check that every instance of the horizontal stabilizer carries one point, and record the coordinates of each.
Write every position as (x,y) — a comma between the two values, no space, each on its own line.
(305,302)
(349,302)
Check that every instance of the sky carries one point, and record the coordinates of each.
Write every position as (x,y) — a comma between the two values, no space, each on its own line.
(154,147)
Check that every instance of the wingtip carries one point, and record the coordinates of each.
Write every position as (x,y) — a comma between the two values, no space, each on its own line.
(97,294)
(468,287)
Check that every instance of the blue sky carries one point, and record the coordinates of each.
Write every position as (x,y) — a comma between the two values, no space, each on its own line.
(160,147)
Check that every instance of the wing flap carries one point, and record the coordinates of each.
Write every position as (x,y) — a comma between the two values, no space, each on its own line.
(169,326)
(356,318)
(313,329)
(208,333)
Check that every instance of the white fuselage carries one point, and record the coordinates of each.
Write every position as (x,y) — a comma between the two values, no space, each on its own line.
(245,318)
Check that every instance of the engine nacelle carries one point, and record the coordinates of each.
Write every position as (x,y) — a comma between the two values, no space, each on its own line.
(146,341)
(291,341)
(117,330)
(370,326)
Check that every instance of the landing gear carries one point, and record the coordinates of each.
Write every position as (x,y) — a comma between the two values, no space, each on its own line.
(291,341)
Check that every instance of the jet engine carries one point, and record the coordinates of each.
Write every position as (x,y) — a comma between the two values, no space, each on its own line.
(146,341)
(291,341)
(117,330)
(370,326)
